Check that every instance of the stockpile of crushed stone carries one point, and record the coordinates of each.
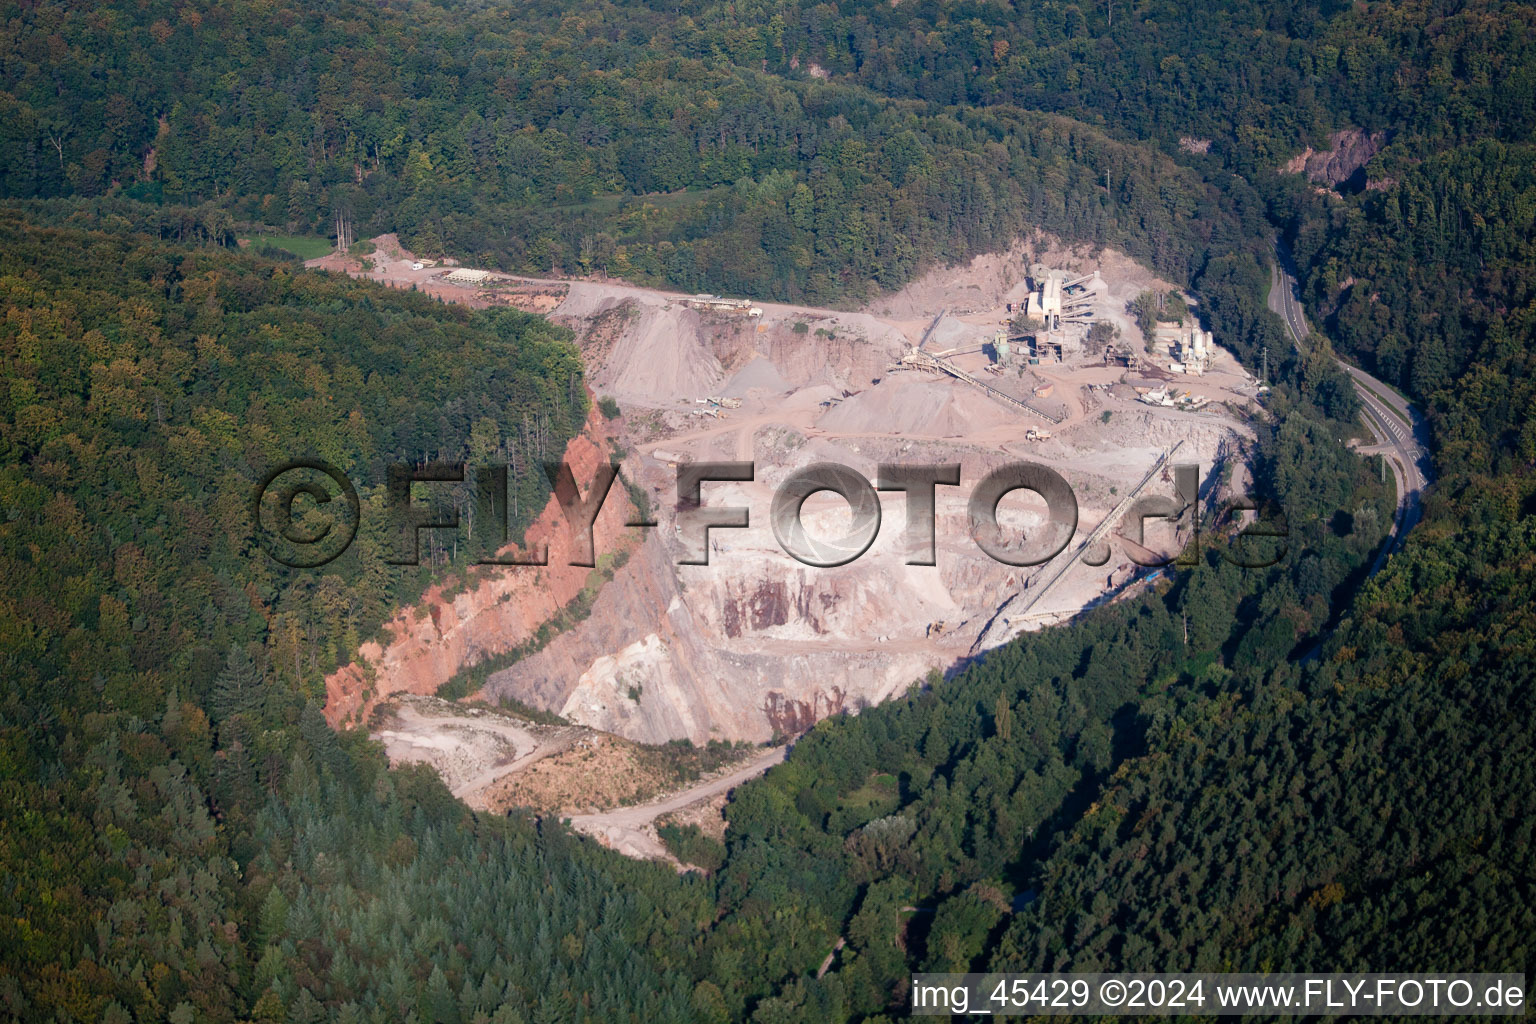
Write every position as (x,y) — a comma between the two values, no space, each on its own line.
(917,405)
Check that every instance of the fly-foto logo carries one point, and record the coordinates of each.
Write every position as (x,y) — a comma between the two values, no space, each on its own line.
(310,535)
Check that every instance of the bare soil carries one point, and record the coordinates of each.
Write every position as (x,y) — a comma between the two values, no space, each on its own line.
(756,645)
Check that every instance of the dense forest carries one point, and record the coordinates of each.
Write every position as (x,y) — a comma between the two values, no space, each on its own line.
(541,142)
(785,149)
(1299,768)
(181,826)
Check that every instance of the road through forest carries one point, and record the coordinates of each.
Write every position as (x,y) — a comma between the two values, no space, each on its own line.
(1401,433)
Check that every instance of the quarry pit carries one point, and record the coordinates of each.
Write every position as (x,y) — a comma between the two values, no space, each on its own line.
(756,646)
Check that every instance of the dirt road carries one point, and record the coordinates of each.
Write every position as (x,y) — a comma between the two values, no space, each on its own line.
(630,830)
(471,789)
(802,385)
(469,747)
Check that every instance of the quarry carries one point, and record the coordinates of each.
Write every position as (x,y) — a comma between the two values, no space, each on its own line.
(1030,355)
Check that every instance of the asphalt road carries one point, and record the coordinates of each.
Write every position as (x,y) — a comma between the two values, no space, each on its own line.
(1401,434)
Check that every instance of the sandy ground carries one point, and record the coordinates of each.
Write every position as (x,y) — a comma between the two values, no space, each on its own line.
(474,748)
(393,266)
(469,747)
(703,644)
(909,413)
(661,357)
(632,830)
(707,815)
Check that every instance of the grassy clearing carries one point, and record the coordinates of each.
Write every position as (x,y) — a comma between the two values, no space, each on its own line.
(879,796)
(305,247)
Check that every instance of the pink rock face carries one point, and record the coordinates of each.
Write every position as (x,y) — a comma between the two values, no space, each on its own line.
(432,641)
(790,717)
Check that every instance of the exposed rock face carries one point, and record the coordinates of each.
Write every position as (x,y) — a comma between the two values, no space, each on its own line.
(749,647)
(788,716)
(756,644)
(1352,149)
(503,606)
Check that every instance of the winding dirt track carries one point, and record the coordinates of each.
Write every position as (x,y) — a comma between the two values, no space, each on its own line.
(628,829)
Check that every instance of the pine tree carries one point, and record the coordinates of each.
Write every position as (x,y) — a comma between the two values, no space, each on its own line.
(237,689)
(306,1009)
(274,917)
(1003,718)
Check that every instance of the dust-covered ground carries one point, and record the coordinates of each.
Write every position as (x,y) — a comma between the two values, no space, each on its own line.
(497,760)
(469,747)
(756,645)
(608,787)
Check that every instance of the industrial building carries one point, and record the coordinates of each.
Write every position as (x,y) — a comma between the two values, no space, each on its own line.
(1056,300)
(1002,352)
(1191,348)
(715,304)
(1196,350)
